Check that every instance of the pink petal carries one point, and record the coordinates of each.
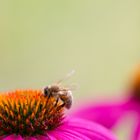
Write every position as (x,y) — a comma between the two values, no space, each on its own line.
(107,114)
(79,129)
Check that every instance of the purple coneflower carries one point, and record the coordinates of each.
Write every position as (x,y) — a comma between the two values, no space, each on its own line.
(29,115)
(109,113)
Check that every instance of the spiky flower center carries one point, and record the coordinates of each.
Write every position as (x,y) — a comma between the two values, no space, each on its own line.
(29,112)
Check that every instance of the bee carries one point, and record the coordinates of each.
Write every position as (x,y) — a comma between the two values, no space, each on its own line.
(60,93)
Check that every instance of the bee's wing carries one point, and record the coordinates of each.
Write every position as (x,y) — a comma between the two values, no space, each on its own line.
(73,87)
(66,77)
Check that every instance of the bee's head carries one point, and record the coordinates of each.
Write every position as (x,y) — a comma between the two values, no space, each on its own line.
(46,91)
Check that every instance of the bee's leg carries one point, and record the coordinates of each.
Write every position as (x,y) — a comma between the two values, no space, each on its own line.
(57,99)
(48,98)
(61,106)
(55,105)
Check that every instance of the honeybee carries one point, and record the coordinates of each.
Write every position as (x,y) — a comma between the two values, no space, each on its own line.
(60,93)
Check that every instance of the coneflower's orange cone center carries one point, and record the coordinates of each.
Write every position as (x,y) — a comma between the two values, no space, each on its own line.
(28,112)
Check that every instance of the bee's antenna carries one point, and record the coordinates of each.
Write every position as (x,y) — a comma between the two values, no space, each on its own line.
(67,76)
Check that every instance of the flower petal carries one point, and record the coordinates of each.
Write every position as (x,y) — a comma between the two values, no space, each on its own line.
(107,114)
(79,129)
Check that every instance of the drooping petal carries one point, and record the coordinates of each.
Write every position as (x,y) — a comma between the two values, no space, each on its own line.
(107,114)
(79,129)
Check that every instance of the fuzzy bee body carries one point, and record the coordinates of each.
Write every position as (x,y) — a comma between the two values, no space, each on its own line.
(60,93)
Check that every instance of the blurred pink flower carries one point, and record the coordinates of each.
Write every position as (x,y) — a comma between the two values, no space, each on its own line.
(109,113)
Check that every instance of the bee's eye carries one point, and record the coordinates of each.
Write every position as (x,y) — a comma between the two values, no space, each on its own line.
(46,91)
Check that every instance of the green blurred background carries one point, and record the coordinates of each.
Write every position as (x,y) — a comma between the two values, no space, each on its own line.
(41,41)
